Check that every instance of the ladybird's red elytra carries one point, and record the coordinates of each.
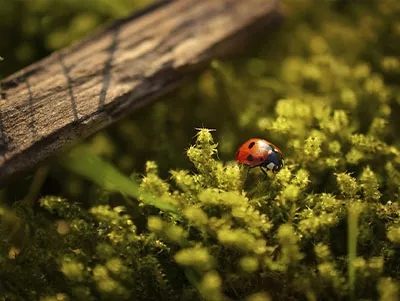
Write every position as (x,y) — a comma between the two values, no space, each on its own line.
(260,152)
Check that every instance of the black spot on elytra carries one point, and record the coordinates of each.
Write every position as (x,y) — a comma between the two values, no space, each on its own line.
(251,144)
(250,158)
(237,154)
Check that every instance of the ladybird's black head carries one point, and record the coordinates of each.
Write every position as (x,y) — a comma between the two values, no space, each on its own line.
(280,166)
(274,162)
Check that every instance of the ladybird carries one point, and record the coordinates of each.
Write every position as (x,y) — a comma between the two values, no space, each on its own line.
(259,152)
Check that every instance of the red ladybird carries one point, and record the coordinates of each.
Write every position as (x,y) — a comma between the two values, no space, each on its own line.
(259,152)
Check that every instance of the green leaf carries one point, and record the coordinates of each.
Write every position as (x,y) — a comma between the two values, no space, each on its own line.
(83,162)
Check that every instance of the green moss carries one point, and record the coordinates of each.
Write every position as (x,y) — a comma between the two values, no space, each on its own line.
(326,227)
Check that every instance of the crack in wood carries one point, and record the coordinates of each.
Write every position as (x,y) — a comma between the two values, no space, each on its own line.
(107,68)
(32,123)
(69,81)
(3,138)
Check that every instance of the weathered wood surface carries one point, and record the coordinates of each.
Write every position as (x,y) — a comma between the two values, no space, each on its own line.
(83,88)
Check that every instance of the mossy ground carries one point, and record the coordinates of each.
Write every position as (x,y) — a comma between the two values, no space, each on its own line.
(101,224)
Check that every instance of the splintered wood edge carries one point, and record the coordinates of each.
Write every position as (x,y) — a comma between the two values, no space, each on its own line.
(85,87)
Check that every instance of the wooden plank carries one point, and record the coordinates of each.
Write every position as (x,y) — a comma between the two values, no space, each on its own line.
(81,89)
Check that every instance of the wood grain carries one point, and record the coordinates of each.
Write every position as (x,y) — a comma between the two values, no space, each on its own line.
(81,89)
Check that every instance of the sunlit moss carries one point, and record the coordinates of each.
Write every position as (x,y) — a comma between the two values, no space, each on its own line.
(347,185)
(290,253)
(73,270)
(369,184)
(388,289)
(211,286)
(393,234)
(258,297)
(196,257)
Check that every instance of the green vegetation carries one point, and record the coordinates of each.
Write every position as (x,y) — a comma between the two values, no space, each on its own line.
(32,29)
(324,88)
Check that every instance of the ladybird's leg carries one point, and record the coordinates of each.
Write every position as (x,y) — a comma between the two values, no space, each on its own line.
(262,169)
(248,171)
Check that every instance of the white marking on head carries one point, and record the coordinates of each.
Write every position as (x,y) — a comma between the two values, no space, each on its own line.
(271,166)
